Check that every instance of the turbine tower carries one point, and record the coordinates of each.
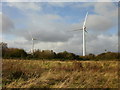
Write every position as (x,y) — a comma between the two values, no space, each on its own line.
(84,30)
(33,45)
(84,39)
(32,42)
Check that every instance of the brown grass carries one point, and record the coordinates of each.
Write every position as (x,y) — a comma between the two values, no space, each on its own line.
(60,74)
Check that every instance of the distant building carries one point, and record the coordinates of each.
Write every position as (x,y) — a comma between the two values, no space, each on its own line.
(3,45)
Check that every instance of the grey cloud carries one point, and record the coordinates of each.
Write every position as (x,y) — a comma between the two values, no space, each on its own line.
(102,42)
(42,27)
(46,32)
(7,24)
(49,36)
(108,9)
(96,44)
(99,23)
(51,33)
(45,28)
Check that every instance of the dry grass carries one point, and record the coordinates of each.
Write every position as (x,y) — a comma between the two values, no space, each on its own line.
(60,74)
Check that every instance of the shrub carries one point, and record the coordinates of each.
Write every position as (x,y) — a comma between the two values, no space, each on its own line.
(107,56)
(14,53)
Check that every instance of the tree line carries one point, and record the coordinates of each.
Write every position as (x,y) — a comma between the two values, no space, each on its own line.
(15,53)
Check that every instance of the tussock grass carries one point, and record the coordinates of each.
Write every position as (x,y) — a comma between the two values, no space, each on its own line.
(60,74)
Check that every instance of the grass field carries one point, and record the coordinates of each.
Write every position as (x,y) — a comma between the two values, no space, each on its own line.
(59,74)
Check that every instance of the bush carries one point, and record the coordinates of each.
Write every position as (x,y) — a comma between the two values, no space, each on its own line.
(107,56)
(67,55)
(45,54)
(14,53)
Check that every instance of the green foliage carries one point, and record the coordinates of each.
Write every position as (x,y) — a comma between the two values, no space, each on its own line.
(11,53)
(67,55)
(14,53)
(88,57)
(107,56)
(48,54)
(102,56)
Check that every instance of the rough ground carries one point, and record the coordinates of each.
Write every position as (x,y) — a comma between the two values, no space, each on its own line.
(59,74)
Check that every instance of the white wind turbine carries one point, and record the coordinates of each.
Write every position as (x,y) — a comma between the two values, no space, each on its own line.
(84,30)
(32,42)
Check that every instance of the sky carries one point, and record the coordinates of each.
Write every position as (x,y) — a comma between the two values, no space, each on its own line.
(52,24)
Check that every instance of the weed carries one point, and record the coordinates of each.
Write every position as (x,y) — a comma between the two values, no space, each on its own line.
(59,74)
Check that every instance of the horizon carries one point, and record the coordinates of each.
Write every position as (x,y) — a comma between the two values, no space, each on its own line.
(52,21)
(30,52)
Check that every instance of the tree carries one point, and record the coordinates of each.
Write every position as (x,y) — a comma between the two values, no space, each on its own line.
(14,53)
(45,54)
(67,55)
(107,56)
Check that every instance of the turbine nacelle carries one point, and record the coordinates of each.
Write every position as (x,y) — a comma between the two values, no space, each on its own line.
(81,29)
(34,39)
(85,29)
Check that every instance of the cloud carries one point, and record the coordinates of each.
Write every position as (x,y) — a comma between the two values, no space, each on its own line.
(18,42)
(51,30)
(25,6)
(61,0)
(45,28)
(84,5)
(48,36)
(57,4)
(95,44)
(52,17)
(104,16)
(107,0)
(7,23)
(99,23)
(106,9)
(102,42)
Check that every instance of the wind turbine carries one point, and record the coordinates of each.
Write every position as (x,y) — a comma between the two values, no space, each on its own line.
(84,30)
(33,45)
(32,42)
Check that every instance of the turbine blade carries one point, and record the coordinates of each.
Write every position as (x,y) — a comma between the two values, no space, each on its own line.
(77,29)
(86,31)
(85,20)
